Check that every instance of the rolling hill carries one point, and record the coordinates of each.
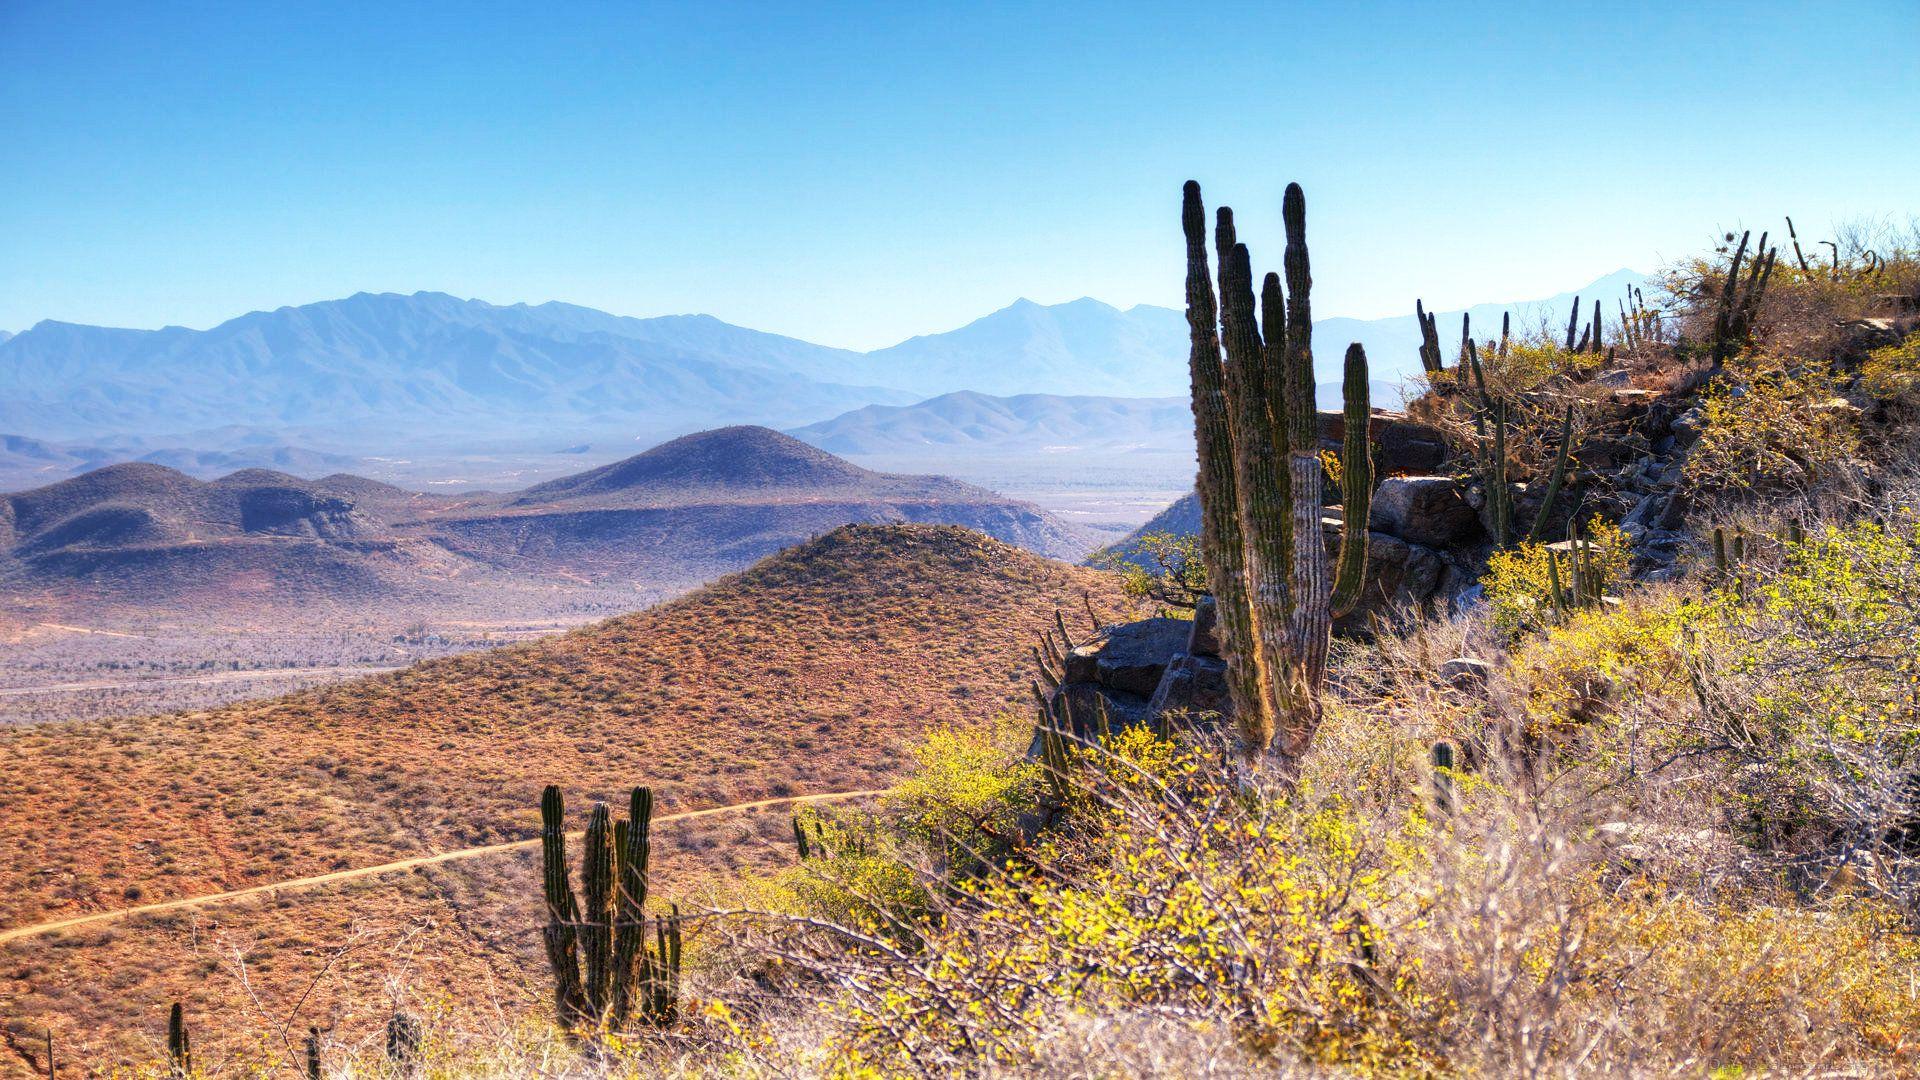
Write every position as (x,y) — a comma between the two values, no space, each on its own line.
(144,535)
(806,673)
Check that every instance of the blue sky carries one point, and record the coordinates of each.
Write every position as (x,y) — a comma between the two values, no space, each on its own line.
(855,174)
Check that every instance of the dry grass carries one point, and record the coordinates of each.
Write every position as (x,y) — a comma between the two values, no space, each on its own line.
(807,673)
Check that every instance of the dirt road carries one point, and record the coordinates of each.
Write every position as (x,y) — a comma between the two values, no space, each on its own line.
(23,932)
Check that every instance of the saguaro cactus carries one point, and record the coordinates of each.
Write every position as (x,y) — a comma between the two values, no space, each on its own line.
(1260,479)
(602,968)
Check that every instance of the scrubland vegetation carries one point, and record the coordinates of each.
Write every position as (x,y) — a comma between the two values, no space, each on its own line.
(1665,826)
(1641,804)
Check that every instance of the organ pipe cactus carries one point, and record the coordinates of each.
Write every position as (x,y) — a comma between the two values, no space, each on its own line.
(1430,359)
(1556,479)
(1260,478)
(596,940)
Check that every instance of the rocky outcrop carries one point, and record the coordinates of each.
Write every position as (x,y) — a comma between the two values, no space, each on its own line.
(1135,673)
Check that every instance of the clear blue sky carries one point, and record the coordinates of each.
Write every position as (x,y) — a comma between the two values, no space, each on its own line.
(858,173)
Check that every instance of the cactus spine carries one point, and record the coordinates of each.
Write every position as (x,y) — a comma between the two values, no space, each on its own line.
(1260,477)
(596,940)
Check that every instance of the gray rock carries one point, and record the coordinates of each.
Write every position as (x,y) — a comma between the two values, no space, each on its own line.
(1192,685)
(1204,639)
(1466,673)
(1688,426)
(1429,510)
(1132,656)
(1399,574)
(1402,445)
(1083,662)
(1469,598)
(1616,379)
(1087,703)
(1645,512)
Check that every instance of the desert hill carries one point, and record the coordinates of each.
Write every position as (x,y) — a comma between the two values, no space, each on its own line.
(679,514)
(725,464)
(803,674)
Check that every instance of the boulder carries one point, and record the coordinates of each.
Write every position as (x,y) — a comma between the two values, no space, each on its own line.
(1466,674)
(1400,445)
(1132,656)
(1087,703)
(1429,510)
(1192,685)
(1083,662)
(1399,575)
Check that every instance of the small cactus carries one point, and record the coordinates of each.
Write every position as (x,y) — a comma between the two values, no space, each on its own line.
(1443,778)
(179,1043)
(800,839)
(403,1042)
(1556,478)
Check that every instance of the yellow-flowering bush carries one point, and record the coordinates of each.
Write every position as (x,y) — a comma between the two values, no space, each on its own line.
(1171,894)
(1893,372)
(1772,428)
(1519,581)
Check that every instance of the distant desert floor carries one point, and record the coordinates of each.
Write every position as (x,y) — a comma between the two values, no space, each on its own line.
(1110,492)
(77,664)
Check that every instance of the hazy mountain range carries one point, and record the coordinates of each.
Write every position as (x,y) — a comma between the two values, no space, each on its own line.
(302,387)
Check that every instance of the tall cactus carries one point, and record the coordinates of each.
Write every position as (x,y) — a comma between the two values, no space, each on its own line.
(596,940)
(1220,542)
(1256,427)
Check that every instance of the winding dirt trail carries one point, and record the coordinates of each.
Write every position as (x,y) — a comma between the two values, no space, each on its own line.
(21,933)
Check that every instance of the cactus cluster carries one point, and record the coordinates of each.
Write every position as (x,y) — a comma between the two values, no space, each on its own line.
(1492,417)
(1581,585)
(1256,428)
(1733,318)
(826,841)
(604,971)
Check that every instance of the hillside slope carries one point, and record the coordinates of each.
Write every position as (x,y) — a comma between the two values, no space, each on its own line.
(806,673)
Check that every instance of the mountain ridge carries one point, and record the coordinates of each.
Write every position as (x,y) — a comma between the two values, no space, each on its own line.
(391,367)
